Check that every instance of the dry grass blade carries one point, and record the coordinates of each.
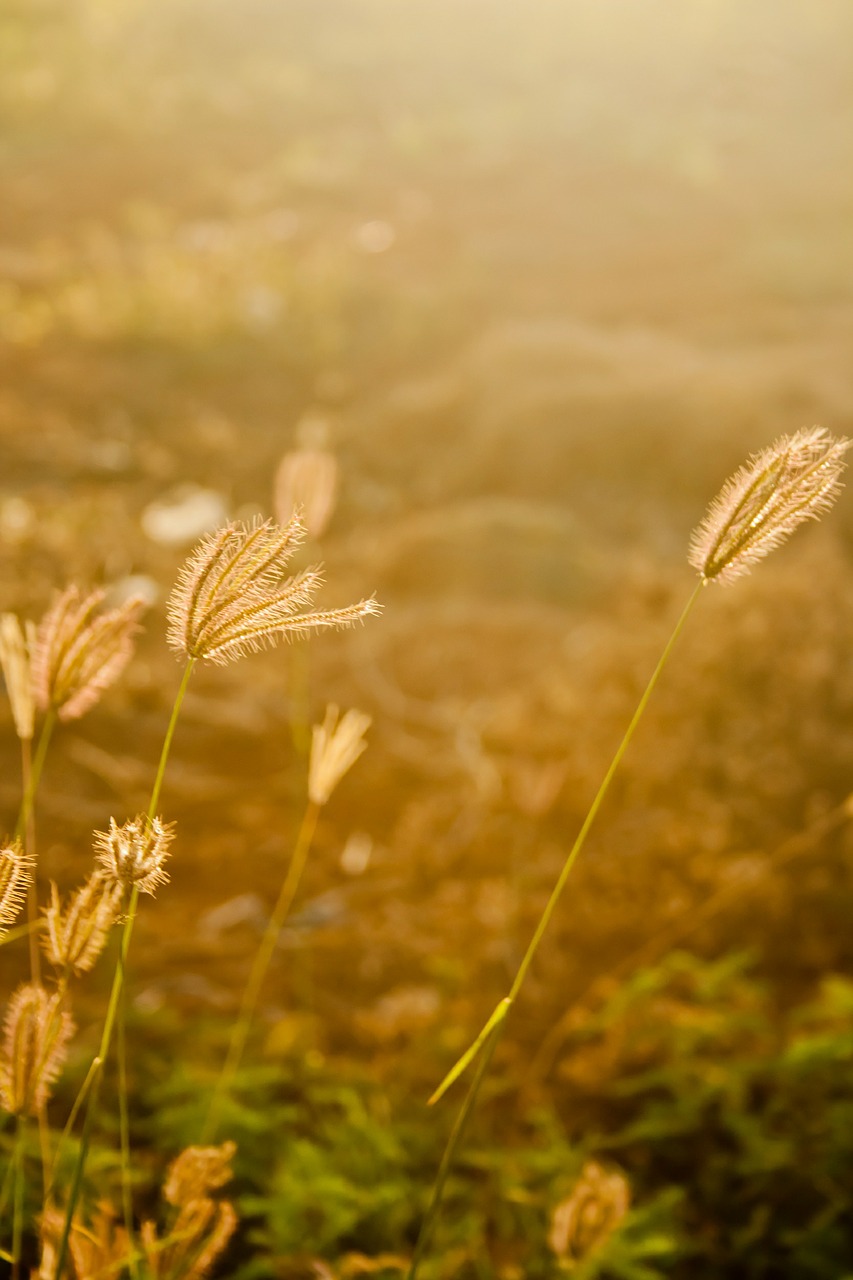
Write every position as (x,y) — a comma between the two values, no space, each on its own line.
(796,479)
(307,482)
(134,854)
(232,595)
(78,653)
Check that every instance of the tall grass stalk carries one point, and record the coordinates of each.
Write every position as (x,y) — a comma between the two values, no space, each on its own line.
(487,1041)
(114,1005)
(258,972)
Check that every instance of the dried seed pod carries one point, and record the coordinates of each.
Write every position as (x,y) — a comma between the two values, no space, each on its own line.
(134,854)
(16,874)
(335,747)
(15,661)
(78,653)
(35,1044)
(77,933)
(796,479)
(232,597)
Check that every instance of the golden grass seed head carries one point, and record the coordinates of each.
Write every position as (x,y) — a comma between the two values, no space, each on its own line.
(307,482)
(197,1171)
(78,652)
(794,480)
(76,933)
(35,1045)
(15,661)
(335,747)
(232,596)
(16,874)
(133,854)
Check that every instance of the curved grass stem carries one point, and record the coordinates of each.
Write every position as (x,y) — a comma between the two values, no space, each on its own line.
(484,1046)
(260,965)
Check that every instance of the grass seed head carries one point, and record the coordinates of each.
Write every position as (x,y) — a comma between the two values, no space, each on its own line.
(307,482)
(78,652)
(76,934)
(15,661)
(35,1046)
(16,873)
(335,747)
(232,595)
(583,1221)
(796,479)
(134,853)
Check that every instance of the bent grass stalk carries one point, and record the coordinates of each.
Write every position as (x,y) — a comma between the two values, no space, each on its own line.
(260,965)
(115,1001)
(487,1041)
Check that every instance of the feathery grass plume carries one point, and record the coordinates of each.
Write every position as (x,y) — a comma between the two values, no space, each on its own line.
(78,653)
(203,1226)
(15,878)
(99,1248)
(133,854)
(582,1222)
(35,1044)
(232,597)
(335,747)
(307,481)
(796,479)
(76,934)
(15,661)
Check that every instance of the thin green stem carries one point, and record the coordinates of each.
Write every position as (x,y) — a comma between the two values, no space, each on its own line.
(124,1129)
(115,1001)
(488,1039)
(31,785)
(29,849)
(260,964)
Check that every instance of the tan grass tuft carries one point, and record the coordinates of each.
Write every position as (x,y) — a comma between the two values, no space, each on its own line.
(203,1225)
(232,596)
(76,934)
(134,853)
(78,653)
(15,661)
(16,874)
(796,479)
(335,747)
(198,1171)
(35,1044)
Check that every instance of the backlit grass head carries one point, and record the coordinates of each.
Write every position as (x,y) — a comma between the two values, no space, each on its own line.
(796,479)
(233,596)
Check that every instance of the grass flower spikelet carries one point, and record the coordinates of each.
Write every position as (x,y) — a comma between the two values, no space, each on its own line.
(15,661)
(134,853)
(232,596)
(78,653)
(15,878)
(77,933)
(796,479)
(335,747)
(35,1045)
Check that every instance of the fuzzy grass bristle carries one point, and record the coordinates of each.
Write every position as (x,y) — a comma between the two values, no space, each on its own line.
(35,1046)
(132,855)
(232,596)
(794,480)
(16,873)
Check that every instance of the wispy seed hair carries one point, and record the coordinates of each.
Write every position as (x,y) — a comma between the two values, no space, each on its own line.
(15,661)
(76,934)
(232,596)
(796,479)
(35,1045)
(79,653)
(335,747)
(16,874)
(134,853)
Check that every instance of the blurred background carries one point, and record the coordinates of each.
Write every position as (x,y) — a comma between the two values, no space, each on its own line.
(539,277)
